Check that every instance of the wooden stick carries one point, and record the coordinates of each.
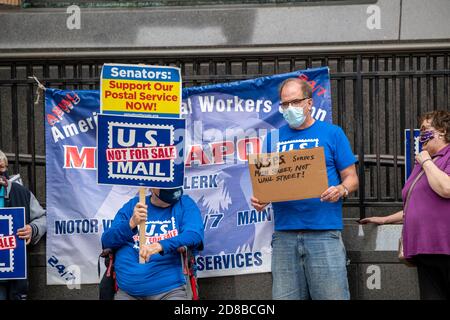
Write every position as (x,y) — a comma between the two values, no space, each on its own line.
(142,224)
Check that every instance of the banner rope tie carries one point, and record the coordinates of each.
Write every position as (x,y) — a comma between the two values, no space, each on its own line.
(40,88)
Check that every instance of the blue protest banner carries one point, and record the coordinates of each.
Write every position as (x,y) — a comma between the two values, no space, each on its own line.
(224,122)
(13,254)
(138,151)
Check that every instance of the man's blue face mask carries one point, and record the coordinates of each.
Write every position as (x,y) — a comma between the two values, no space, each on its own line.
(170,196)
(295,117)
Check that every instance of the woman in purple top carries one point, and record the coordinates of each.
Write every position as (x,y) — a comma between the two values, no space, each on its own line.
(426,229)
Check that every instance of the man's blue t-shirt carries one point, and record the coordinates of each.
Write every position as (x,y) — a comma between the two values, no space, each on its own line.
(312,214)
(173,227)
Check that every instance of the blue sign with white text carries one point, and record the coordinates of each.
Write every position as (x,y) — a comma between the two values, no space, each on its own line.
(409,163)
(13,255)
(138,151)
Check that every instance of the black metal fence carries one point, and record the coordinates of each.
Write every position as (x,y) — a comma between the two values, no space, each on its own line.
(376,96)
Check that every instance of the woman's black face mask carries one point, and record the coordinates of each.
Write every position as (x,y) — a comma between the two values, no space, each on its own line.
(170,196)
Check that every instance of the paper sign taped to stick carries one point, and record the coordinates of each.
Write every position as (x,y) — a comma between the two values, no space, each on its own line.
(290,175)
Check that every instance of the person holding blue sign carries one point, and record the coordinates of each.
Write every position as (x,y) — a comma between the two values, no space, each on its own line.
(173,220)
(426,209)
(308,254)
(12,195)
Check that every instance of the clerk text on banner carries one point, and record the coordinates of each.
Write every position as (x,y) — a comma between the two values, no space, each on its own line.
(151,90)
(13,255)
(224,123)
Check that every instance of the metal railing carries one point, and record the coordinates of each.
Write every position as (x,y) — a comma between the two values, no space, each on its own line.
(376,96)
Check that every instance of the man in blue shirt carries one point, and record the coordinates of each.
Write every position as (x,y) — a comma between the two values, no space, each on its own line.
(172,220)
(308,255)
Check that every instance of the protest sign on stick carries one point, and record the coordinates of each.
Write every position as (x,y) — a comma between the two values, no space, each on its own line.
(140,136)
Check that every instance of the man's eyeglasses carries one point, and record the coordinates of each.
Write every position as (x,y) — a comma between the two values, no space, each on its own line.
(295,103)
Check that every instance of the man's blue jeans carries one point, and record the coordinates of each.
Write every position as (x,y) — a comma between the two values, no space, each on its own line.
(309,265)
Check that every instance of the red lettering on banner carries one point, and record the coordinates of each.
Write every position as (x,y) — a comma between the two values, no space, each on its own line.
(8,243)
(243,146)
(315,87)
(58,112)
(221,150)
(64,106)
(52,120)
(196,154)
(73,159)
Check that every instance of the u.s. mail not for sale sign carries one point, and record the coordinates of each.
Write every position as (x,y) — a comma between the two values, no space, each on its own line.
(139,151)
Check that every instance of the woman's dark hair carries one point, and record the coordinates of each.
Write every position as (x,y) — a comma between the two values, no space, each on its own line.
(440,120)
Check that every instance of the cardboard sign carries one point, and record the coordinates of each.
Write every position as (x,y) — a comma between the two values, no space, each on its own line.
(13,254)
(140,89)
(291,175)
(138,151)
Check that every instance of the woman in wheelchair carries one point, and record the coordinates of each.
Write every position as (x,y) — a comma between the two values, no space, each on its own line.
(172,221)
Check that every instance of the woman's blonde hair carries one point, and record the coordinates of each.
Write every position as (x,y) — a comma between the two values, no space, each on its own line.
(3,158)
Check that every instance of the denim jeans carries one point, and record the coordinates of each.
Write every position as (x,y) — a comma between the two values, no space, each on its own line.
(174,294)
(309,265)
